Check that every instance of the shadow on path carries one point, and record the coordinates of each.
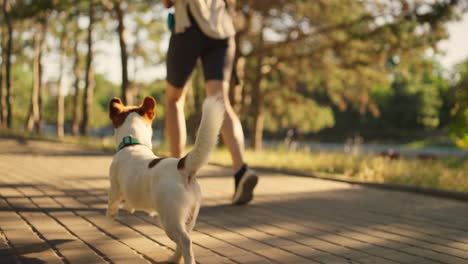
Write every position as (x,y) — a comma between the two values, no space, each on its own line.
(20,251)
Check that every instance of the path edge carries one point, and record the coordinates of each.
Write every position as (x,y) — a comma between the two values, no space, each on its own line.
(428,191)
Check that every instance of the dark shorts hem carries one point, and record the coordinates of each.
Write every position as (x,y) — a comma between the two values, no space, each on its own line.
(186,48)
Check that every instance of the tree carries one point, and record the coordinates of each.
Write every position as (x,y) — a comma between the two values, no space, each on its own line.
(414,100)
(459,126)
(18,12)
(123,48)
(6,8)
(144,47)
(339,47)
(34,121)
(76,87)
(2,73)
(138,13)
(60,89)
(89,75)
(117,7)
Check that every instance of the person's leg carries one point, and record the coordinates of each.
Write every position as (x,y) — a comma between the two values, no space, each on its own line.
(182,55)
(217,66)
(176,132)
(231,130)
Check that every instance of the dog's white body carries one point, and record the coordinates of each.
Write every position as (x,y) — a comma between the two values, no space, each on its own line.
(168,188)
(145,188)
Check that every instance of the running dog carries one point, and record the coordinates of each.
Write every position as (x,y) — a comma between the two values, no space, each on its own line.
(166,186)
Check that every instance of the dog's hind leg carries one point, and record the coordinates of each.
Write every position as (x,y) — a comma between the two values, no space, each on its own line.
(177,255)
(115,197)
(192,218)
(190,224)
(177,233)
(184,242)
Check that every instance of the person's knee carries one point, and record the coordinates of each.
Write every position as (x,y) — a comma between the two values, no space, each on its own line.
(216,88)
(174,95)
(219,89)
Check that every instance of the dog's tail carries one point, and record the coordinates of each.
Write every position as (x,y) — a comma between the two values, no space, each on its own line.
(207,136)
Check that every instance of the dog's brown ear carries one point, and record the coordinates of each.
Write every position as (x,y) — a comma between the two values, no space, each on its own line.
(116,108)
(147,109)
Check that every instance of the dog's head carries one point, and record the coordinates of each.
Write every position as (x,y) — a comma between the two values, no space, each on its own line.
(133,120)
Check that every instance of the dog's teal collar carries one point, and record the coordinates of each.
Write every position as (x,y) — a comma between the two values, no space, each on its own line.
(128,141)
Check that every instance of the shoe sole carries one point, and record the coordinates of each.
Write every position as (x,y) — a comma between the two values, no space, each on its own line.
(246,190)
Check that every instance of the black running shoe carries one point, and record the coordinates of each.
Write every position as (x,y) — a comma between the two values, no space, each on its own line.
(245,182)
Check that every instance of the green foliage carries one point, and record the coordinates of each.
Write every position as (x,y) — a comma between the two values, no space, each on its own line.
(418,99)
(336,52)
(298,112)
(22,83)
(305,62)
(415,101)
(459,126)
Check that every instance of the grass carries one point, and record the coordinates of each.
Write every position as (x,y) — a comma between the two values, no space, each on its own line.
(106,143)
(448,174)
(439,142)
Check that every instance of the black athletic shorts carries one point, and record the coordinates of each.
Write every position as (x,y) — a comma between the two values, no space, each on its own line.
(185,48)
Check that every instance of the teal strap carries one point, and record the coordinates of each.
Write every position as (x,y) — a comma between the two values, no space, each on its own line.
(170,21)
(128,141)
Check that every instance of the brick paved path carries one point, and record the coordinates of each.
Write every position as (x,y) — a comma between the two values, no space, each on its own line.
(53,199)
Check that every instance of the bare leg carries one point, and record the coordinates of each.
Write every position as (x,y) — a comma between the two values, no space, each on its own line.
(176,131)
(231,130)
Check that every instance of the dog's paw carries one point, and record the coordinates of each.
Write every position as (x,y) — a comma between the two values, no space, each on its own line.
(111,215)
(173,260)
(127,207)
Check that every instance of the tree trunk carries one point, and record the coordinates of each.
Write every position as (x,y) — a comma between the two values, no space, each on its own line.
(35,117)
(40,123)
(258,100)
(257,111)
(89,85)
(9,49)
(76,87)
(33,114)
(123,51)
(2,73)
(257,138)
(60,96)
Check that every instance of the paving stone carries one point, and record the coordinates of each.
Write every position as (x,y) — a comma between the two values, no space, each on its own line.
(52,209)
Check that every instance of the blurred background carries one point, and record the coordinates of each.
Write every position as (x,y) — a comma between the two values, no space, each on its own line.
(375,90)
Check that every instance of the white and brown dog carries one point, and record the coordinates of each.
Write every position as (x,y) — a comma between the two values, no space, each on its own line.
(166,186)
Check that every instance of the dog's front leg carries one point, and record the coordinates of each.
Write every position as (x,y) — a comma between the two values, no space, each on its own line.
(112,206)
(128,207)
(114,197)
